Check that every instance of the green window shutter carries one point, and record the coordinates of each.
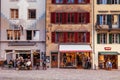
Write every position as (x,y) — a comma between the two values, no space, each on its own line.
(110,38)
(108,1)
(98,38)
(119,21)
(119,37)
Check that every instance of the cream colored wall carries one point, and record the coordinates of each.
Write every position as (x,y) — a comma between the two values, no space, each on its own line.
(110,10)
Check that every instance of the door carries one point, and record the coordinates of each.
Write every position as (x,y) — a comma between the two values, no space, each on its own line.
(9,57)
(54,60)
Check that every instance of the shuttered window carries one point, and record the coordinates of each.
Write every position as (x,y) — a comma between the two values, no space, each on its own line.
(70,18)
(102,38)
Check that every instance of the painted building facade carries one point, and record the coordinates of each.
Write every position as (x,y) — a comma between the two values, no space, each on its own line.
(107,33)
(22,29)
(68,33)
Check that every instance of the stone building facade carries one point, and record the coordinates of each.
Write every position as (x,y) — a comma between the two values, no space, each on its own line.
(69,33)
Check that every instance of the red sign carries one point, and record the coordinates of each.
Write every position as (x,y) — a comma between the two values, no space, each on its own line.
(107,48)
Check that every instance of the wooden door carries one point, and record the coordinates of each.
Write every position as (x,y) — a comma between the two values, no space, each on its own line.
(54,60)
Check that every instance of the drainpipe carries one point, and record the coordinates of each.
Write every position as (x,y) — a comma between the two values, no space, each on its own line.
(93,37)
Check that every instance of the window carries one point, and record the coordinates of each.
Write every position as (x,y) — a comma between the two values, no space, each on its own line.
(70,1)
(33,35)
(59,1)
(31,13)
(81,1)
(72,37)
(14,13)
(58,17)
(70,18)
(13,34)
(29,35)
(102,38)
(114,19)
(114,38)
(84,18)
(108,1)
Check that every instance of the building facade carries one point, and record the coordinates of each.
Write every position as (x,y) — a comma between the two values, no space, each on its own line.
(68,33)
(107,33)
(22,29)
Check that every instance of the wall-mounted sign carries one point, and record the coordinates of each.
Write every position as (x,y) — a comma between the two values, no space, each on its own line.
(107,48)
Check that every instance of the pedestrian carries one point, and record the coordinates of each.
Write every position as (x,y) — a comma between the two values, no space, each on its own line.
(44,64)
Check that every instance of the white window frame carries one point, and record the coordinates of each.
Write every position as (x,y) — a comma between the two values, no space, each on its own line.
(115,38)
(103,38)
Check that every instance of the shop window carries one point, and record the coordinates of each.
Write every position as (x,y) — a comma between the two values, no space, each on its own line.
(13,34)
(67,60)
(114,38)
(14,13)
(102,38)
(32,13)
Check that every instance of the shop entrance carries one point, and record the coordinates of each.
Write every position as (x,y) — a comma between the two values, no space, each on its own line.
(82,59)
(54,60)
(36,59)
(104,58)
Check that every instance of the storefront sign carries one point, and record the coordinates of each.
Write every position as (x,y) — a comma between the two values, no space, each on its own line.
(107,48)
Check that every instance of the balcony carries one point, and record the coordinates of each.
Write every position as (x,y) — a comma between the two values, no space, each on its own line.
(112,27)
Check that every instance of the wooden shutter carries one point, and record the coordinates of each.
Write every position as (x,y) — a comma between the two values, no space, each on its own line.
(109,2)
(119,21)
(65,37)
(53,17)
(76,18)
(87,1)
(64,18)
(76,1)
(53,37)
(79,17)
(53,1)
(109,20)
(87,17)
(119,37)
(98,1)
(76,36)
(64,1)
(110,38)
(88,37)
(98,19)
(98,38)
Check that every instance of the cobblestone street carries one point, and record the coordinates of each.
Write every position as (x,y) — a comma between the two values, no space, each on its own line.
(60,74)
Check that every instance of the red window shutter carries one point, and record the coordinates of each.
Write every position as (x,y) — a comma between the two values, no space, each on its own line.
(87,1)
(88,37)
(79,17)
(53,37)
(76,1)
(53,1)
(65,37)
(53,17)
(76,18)
(64,1)
(64,18)
(87,17)
(76,36)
